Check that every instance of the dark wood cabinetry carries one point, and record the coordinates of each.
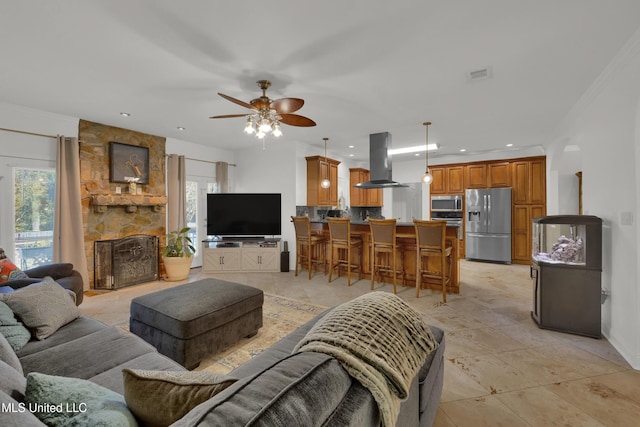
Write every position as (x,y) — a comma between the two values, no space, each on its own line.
(319,168)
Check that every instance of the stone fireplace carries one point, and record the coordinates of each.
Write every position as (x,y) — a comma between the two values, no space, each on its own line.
(110,212)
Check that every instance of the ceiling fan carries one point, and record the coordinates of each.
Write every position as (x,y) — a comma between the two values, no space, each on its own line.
(267,113)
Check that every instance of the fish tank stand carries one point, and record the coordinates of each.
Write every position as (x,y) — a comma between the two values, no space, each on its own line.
(566,270)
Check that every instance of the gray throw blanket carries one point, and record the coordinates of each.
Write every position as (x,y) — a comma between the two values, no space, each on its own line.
(380,340)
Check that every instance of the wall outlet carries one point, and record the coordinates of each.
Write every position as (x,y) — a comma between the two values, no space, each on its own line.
(118,189)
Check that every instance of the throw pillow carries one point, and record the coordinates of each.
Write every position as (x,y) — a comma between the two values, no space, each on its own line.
(159,398)
(58,401)
(9,271)
(2,254)
(43,307)
(14,331)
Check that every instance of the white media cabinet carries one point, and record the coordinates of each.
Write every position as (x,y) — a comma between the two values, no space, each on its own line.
(233,255)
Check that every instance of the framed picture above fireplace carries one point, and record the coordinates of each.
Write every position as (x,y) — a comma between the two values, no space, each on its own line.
(128,163)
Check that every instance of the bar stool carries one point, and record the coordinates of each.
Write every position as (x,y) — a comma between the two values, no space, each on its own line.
(340,239)
(385,246)
(314,244)
(430,242)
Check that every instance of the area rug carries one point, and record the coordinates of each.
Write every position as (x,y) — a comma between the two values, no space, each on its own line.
(280,316)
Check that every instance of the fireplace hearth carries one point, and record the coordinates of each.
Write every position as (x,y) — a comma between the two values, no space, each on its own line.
(124,262)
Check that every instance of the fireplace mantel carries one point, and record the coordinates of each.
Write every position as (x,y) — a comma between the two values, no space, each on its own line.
(131,202)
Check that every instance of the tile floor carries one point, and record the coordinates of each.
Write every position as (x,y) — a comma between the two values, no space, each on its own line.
(500,369)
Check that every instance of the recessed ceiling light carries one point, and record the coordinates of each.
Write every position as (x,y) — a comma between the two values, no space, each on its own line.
(417,154)
(351,155)
(180,128)
(462,150)
(352,146)
(509,145)
(123,114)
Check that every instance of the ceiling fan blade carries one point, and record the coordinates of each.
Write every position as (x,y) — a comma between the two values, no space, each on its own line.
(296,120)
(287,105)
(227,116)
(236,101)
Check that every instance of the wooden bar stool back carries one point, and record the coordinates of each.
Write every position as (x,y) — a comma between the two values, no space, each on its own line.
(341,240)
(310,248)
(430,242)
(383,247)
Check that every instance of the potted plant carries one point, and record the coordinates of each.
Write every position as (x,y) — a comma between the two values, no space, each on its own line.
(178,254)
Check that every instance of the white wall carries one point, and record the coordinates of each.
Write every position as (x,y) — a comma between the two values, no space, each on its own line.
(605,126)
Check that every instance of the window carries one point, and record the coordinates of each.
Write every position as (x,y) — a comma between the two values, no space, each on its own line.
(34,203)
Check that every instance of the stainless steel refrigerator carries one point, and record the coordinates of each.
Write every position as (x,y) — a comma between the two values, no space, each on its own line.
(488,224)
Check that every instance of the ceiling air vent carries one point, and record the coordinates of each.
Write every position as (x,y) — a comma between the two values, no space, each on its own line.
(480,74)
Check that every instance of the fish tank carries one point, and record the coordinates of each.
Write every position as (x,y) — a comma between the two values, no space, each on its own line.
(567,239)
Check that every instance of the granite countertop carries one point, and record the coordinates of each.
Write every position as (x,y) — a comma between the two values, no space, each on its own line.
(360,222)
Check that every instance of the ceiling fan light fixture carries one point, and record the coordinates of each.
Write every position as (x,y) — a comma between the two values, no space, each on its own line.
(264,125)
(249,128)
(276,130)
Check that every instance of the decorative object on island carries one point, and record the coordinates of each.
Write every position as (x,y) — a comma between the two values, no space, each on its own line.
(128,164)
(427,178)
(268,114)
(178,254)
(326,182)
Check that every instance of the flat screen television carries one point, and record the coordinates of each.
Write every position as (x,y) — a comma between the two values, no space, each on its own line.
(244,214)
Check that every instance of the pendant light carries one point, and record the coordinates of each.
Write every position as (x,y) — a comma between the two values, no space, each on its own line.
(427,178)
(325,183)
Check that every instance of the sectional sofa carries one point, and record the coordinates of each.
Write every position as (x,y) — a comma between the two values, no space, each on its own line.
(277,387)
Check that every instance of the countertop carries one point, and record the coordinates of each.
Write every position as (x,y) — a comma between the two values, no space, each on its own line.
(359,222)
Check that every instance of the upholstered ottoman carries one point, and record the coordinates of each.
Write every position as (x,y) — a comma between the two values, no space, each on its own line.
(189,322)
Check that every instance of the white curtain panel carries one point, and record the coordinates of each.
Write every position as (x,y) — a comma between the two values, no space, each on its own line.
(68,231)
(176,193)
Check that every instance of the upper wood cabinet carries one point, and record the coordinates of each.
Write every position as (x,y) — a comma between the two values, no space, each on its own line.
(447,180)
(455,179)
(360,196)
(499,174)
(475,176)
(529,181)
(319,168)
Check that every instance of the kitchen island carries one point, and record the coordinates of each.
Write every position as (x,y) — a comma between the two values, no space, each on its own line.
(406,236)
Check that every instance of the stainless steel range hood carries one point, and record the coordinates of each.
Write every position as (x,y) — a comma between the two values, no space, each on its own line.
(379,163)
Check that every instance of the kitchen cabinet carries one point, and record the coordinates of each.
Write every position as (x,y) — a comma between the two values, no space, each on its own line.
(529,181)
(522,216)
(499,174)
(447,180)
(360,197)
(438,185)
(475,176)
(319,168)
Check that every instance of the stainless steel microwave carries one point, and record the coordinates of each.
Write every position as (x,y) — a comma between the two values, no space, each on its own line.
(446,203)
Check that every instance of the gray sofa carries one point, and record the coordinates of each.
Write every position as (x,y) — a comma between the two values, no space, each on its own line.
(274,388)
(63,273)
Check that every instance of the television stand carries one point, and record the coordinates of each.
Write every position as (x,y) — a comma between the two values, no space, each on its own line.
(235,254)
